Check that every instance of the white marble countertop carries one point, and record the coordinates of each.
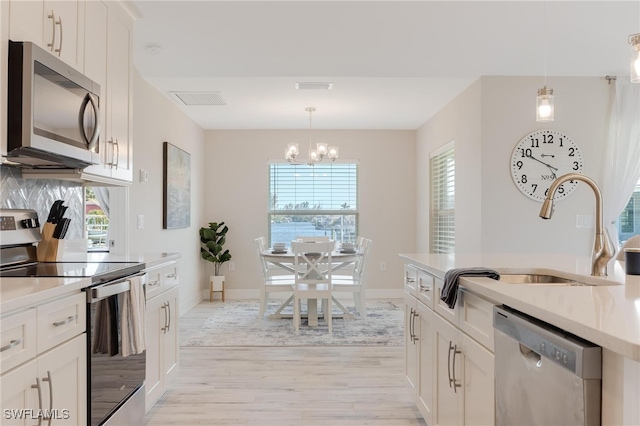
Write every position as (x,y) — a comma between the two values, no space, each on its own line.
(18,293)
(606,313)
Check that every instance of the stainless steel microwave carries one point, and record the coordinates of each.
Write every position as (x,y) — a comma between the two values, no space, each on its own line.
(53,111)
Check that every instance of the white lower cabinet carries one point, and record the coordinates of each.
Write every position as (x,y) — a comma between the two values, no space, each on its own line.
(50,382)
(162,336)
(450,373)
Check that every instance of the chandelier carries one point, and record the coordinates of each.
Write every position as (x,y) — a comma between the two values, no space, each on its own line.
(315,155)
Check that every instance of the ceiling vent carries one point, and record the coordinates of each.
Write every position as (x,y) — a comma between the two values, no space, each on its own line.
(319,85)
(199,98)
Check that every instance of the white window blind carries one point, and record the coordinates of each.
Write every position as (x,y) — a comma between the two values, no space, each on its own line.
(313,200)
(443,200)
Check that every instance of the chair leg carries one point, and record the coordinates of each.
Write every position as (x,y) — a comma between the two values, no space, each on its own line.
(296,314)
(362,305)
(264,296)
(328,315)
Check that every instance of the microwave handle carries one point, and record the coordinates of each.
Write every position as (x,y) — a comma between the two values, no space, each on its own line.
(91,142)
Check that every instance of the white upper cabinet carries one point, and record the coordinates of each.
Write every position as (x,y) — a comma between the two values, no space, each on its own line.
(56,26)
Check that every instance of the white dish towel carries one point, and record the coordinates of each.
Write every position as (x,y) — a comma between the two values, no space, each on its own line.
(133,319)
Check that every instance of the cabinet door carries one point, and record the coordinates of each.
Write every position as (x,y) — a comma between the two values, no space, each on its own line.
(95,67)
(448,366)
(410,344)
(425,367)
(478,383)
(170,338)
(63,373)
(156,319)
(62,27)
(119,93)
(18,395)
(26,22)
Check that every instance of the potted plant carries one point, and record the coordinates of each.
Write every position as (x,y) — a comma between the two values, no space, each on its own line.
(212,250)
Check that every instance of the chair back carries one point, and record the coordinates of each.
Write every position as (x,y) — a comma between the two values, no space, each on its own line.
(260,245)
(312,262)
(363,245)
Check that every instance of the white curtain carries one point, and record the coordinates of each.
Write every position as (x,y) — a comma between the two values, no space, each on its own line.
(621,159)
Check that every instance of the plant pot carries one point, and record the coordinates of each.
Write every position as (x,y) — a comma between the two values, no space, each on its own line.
(216,285)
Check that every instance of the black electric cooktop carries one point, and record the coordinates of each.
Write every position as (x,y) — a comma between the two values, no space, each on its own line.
(99,272)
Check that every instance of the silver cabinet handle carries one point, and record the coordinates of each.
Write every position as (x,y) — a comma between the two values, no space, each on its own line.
(116,153)
(12,344)
(48,379)
(165,328)
(59,49)
(455,384)
(52,16)
(110,163)
(37,386)
(153,283)
(415,337)
(424,287)
(410,280)
(411,324)
(174,275)
(449,362)
(66,321)
(169,316)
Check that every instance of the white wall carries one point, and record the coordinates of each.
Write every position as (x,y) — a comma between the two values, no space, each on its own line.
(236,191)
(157,119)
(487,120)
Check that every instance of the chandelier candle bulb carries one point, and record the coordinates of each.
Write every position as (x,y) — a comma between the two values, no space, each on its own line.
(333,152)
(321,149)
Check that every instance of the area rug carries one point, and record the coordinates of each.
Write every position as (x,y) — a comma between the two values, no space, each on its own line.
(236,323)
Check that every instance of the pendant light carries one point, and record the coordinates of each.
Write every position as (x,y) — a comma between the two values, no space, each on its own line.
(544,100)
(315,155)
(634,41)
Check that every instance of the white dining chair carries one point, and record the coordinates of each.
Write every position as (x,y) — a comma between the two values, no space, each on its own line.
(273,280)
(312,266)
(354,282)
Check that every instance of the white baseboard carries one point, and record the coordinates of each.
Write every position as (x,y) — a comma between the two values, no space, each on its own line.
(249,294)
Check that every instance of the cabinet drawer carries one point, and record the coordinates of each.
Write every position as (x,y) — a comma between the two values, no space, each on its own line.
(425,288)
(153,284)
(170,275)
(476,318)
(17,339)
(61,320)
(440,307)
(411,280)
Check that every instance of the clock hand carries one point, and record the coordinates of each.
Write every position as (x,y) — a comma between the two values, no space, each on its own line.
(539,161)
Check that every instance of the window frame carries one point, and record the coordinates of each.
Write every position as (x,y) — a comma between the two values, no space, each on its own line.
(272,212)
(437,194)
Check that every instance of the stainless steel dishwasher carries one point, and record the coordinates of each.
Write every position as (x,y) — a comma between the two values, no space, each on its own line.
(544,376)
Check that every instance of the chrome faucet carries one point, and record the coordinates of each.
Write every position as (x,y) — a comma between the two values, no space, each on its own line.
(603,249)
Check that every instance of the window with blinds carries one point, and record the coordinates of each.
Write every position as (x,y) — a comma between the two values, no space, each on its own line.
(313,200)
(443,169)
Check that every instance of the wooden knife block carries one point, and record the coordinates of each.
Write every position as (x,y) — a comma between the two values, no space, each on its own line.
(47,250)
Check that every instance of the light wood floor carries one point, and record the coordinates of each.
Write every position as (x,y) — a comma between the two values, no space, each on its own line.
(287,386)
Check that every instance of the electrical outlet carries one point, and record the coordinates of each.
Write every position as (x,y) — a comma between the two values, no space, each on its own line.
(140,221)
(383,266)
(584,221)
(232,266)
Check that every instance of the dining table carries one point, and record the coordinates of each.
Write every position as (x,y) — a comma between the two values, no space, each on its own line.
(340,259)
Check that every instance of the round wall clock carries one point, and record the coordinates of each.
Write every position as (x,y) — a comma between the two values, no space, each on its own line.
(539,158)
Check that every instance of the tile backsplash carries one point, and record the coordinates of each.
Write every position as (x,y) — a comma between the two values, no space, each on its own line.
(39,195)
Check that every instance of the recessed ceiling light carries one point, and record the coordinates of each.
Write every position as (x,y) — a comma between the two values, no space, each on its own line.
(319,85)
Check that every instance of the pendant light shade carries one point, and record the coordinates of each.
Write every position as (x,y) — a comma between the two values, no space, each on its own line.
(634,41)
(544,105)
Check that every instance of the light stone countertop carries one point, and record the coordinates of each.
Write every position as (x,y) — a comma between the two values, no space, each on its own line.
(608,315)
(18,293)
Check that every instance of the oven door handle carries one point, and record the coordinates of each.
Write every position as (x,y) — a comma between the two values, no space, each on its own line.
(107,290)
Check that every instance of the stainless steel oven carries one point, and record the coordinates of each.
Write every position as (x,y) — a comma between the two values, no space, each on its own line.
(116,382)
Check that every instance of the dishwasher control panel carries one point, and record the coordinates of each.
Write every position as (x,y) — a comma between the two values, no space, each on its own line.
(540,339)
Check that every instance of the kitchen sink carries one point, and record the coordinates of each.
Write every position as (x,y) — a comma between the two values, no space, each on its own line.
(550,280)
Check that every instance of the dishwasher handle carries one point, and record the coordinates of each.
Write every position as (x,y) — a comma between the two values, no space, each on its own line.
(121,285)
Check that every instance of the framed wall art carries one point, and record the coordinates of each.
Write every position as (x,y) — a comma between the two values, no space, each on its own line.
(176,188)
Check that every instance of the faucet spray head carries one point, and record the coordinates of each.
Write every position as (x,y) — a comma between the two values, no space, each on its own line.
(547,208)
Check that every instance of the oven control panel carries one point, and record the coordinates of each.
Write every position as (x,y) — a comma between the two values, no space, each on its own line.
(19,226)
